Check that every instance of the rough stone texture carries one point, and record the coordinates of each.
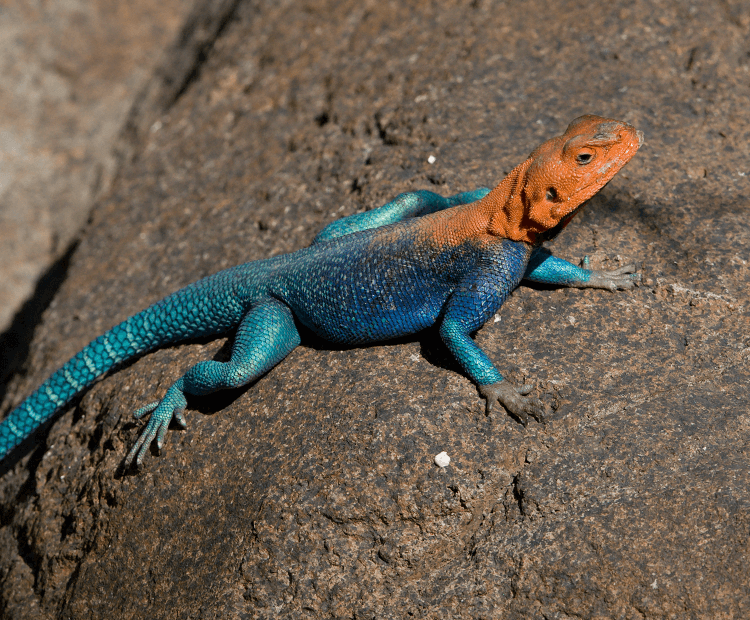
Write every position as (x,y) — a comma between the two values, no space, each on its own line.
(70,72)
(313,493)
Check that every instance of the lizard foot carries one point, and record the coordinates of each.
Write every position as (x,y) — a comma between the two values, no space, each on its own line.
(172,406)
(624,278)
(514,400)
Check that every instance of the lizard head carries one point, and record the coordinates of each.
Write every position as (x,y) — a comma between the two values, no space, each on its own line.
(568,170)
(545,191)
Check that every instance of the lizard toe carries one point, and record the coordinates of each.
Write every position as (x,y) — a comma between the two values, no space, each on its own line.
(179,417)
(139,413)
(630,268)
(537,410)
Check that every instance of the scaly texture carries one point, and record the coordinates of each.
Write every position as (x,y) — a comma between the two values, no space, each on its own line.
(415,262)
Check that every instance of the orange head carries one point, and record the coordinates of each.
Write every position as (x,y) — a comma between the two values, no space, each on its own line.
(559,176)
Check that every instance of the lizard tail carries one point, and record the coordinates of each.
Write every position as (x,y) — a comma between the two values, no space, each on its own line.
(206,307)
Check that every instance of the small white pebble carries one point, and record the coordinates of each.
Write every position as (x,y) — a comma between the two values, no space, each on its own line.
(431,159)
(442,460)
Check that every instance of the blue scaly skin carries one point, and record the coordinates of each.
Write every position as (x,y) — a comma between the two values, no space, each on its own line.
(417,261)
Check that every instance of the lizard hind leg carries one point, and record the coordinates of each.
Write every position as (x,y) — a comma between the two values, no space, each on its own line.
(404,206)
(266,335)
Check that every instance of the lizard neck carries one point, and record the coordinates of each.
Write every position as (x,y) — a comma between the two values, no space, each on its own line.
(504,208)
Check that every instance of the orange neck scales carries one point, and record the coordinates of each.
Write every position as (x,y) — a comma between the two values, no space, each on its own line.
(557,178)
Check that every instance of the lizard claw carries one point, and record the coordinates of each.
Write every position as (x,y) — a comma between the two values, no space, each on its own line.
(525,388)
(514,400)
(179,417)
(172,406)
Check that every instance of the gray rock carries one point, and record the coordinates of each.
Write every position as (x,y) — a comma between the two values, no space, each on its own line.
(313,493)
(70,73)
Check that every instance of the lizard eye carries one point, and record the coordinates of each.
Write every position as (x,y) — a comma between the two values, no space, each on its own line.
(584,157)
(551,194)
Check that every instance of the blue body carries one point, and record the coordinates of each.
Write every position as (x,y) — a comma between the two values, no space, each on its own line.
(366,278)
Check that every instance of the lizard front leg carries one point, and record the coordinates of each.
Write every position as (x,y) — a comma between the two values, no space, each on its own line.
(490,383)
(547,269)
(475,300)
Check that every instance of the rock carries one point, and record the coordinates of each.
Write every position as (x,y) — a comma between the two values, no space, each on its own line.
(70,74)
(313,493)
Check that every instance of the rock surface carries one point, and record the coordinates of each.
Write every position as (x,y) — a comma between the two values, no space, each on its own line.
(70,73)
(314,493)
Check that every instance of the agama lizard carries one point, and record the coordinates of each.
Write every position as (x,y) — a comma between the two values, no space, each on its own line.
(418,261)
